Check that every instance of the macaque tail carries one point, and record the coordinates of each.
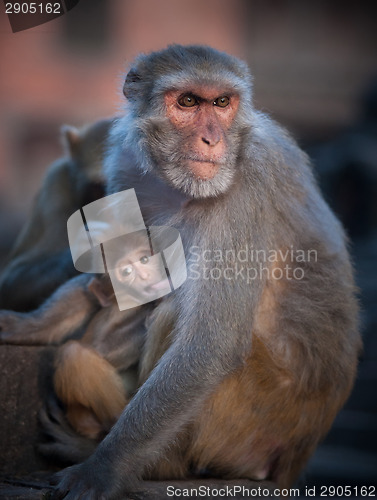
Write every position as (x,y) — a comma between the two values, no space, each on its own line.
(89,387)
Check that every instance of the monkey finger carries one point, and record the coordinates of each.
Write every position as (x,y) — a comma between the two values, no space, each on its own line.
(76,482)
(8,337)
(62,482)
(9,323)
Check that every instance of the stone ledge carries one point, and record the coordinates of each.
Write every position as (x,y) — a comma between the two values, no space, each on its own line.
(24,382)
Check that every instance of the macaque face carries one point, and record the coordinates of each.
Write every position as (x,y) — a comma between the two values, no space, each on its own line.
(141,274)
(195,145)
(203,115)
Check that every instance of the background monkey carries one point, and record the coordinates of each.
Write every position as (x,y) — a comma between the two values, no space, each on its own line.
(40,260)
(252,374)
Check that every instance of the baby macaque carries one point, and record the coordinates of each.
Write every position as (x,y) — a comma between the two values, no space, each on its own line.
(96,375)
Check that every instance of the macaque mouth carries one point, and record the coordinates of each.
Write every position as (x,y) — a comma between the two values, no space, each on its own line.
(155,287)
(203,169)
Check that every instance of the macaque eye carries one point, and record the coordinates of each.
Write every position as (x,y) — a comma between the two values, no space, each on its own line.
(144,259)
(126,271)
(187,101)
(222,102)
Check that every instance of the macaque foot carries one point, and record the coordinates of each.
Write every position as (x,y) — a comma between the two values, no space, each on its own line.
(62,441)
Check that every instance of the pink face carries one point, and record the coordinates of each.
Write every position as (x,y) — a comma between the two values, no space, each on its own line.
(204,115)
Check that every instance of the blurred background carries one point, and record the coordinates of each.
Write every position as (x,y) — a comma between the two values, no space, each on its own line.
(315,71)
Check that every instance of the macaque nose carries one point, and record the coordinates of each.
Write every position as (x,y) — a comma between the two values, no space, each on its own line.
(143,274)
(211,139)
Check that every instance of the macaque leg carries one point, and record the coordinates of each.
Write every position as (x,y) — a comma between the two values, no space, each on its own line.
(59,317)
(90,387)
(242,428)
(259,423)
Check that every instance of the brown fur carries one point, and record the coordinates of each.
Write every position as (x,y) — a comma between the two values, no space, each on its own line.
(84,380)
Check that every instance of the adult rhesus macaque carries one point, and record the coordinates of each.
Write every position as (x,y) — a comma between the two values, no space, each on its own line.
(40,260)
(254,370)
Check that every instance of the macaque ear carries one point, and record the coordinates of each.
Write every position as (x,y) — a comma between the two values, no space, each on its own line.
(131,85)
(103,290)
(71,139)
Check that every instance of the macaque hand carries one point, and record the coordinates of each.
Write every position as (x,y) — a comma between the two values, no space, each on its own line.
(13,329)
(92,480)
